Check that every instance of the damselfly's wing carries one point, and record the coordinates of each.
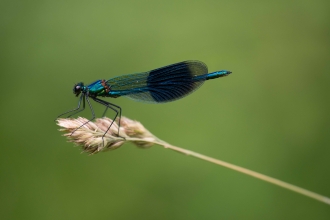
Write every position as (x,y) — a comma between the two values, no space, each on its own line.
(164,84)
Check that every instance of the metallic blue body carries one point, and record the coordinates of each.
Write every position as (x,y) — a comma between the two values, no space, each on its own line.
(161,85)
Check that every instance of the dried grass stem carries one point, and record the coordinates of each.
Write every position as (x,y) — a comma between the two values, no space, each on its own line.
(90,138)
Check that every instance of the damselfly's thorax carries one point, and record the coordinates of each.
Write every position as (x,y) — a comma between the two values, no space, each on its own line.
(78,88)
(105,86)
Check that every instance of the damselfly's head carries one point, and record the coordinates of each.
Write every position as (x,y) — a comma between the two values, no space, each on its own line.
(78,88)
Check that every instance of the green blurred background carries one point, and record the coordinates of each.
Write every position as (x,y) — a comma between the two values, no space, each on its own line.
(271,115)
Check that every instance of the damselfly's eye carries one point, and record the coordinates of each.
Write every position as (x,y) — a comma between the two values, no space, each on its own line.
(77,88)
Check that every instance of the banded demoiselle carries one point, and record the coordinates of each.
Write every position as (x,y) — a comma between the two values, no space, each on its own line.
(161,85)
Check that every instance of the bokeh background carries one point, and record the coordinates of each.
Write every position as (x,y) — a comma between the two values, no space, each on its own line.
(271,115)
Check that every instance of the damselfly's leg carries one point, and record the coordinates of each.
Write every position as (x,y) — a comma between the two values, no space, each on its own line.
(119,108)
(93,114)
(82,109)
(82,98)
(111,106)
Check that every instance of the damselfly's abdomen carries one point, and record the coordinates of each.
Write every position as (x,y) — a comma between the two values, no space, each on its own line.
(164,84)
